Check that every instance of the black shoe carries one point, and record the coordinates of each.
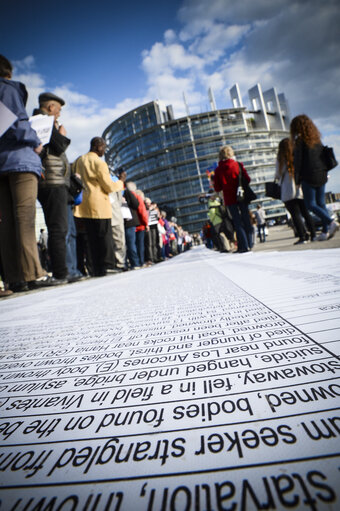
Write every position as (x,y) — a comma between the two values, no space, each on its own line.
(76,278)
(57,282)
(18,287)
(46,281)
(301,242)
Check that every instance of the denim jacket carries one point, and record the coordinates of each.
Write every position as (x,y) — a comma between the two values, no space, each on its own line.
(18,142)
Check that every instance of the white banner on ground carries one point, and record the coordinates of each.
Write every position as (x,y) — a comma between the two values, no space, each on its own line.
(209,382)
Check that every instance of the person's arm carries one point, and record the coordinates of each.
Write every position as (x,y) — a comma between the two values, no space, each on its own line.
(131,199)
(217,181)
(277,171)
(104,178)
(142,213)
(58,143)
(298,161)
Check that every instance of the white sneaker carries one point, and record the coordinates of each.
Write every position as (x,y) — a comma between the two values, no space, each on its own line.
(333,227)
(323,236)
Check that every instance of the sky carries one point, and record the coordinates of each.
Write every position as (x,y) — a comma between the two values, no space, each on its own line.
(108,57)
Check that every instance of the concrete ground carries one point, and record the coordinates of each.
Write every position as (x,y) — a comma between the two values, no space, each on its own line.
(282,238)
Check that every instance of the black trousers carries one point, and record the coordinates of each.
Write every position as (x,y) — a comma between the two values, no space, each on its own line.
(84,261)
(215,236)
(298,210)
(99,235)
(147,246)
(155,250)
(54,200)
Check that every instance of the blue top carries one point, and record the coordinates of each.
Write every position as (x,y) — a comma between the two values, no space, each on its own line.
(18,142)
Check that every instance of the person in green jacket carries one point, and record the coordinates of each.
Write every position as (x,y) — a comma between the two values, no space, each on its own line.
(215,215)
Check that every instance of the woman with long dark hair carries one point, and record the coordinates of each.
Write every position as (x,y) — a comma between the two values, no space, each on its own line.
(291,194)
(310,171)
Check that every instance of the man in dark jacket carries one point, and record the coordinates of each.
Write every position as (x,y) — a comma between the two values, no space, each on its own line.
(53,187)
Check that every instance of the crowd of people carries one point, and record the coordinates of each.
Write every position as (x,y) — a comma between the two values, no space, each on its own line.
(301,172)
(97,222)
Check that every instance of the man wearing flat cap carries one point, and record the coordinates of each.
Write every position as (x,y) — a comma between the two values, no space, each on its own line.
(54,185)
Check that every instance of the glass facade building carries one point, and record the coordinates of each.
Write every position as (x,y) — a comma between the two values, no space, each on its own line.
(167,158)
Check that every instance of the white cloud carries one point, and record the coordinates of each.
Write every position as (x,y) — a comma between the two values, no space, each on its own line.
(170,36)
(164,57)
(172,70)
(219,38)
(82,125)
(83,117)
(169,89)
(24,64)
(195,14)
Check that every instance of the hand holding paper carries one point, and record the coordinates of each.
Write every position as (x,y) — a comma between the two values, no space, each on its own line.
(43,125)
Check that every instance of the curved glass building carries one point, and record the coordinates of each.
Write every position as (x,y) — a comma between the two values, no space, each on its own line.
(168,157)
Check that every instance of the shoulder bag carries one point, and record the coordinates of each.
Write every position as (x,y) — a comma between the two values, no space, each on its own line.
(329,157)
(273,189)
(244,192)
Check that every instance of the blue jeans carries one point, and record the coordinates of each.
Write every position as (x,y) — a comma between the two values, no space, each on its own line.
(71,245)
(140,236)
(242,225)
(314,197)
(261,229)
(131,249)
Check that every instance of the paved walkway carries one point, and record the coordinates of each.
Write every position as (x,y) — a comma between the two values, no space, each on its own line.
(282,238)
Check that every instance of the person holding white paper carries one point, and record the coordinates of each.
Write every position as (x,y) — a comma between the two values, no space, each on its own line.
(53,191)
(20,169)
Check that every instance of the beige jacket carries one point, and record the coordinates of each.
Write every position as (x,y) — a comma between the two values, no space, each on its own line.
(98,184)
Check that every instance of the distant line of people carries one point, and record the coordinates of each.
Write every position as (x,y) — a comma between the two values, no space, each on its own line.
(302,174)
(107,226)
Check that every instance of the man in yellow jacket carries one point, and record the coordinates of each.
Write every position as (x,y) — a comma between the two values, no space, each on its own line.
(95,208)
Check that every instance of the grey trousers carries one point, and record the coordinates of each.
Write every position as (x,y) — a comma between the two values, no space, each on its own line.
(119,246)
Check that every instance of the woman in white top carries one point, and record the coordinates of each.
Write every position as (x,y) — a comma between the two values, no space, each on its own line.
(291,194)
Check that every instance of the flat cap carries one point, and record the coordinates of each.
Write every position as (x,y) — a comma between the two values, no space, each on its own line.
(49,96)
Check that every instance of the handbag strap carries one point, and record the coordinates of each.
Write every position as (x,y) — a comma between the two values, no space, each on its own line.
(239,174)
